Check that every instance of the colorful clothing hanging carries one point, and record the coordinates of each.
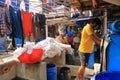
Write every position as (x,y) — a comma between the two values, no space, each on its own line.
(27,23)
(36,27)
(39,22)
(5,20)
(16,22)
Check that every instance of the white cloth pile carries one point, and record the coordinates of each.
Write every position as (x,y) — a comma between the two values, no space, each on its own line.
(50,47)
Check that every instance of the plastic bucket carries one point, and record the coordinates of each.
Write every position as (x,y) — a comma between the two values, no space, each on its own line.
(2,47)
(51,72)
(107,76)
(97,67)
(64,74)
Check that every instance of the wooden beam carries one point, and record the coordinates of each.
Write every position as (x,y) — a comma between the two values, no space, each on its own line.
(116,2)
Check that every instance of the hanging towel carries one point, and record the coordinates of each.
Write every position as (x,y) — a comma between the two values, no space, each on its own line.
(22,5)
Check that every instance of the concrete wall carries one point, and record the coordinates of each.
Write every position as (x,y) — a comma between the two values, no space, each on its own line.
(8,70)
(38,71)
(32,71)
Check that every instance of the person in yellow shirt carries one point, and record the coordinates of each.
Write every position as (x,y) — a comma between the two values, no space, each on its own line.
(88,37)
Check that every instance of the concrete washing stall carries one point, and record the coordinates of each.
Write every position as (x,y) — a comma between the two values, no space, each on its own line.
(11,68)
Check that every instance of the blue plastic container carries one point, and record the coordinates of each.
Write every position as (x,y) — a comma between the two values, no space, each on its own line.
(107,76)
(114,53)
(115,26)
(51,72)
(2,47)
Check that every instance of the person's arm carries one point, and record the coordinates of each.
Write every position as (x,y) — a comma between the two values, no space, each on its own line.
(96,38)
(94,3)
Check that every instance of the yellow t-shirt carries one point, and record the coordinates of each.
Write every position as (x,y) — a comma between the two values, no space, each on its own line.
(86,44)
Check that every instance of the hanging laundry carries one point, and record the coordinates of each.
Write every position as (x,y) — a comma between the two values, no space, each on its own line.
(42,19)
(36,27)
(27,23)
(5,20)
(15,4)
(42,23)
(16,23)
(22,5)
(15,16)
(27,26)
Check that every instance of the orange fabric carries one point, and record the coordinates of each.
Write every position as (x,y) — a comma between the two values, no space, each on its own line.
(34,57)
(27,23)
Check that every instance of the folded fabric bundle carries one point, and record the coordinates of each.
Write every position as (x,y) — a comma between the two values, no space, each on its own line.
(33,57)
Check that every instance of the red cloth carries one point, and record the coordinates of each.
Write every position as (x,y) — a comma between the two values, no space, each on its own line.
(24,57)
(51,9)
(34,57)
(27,23)
(45,1)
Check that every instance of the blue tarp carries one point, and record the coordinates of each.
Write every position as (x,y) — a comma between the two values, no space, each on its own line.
(114,53)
